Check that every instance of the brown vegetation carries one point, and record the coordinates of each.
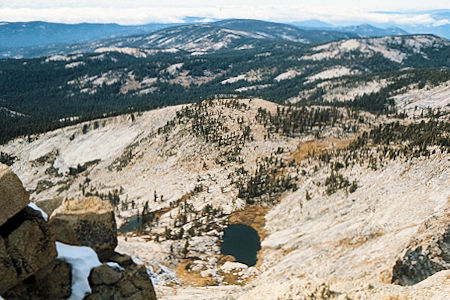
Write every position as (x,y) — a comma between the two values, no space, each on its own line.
(253,216)
(305,149)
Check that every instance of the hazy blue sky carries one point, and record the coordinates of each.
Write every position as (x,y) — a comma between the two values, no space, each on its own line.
(140,11)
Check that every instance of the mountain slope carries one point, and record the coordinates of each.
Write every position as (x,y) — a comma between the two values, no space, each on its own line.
(329,200)
(395,48)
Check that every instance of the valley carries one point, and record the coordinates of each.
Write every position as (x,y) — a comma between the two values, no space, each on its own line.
(195,166)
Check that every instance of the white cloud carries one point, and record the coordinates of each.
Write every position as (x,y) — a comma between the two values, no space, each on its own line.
(441,23)
(145,11)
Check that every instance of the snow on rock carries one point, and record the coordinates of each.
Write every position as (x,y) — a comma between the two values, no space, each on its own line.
(35,207)
(115,265)
(82,260)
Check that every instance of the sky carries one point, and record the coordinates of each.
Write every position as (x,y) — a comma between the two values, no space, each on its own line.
(173,11)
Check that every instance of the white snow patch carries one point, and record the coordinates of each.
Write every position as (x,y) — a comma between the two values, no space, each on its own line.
(115,265)
(35,207)
(82,260)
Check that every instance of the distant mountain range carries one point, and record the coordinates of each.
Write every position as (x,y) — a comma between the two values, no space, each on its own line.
(26,34)
(366,30)
(30,39)
(226,34)
(363,30)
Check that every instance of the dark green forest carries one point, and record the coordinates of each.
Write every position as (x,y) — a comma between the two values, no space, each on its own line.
(37,95)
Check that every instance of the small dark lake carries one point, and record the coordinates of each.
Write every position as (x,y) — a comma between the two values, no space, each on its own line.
(134,222)
(242,242)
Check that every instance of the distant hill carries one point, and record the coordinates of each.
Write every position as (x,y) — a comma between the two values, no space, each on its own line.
(311,24)
(284,31)
(366,30)
(443,30)
(363,30)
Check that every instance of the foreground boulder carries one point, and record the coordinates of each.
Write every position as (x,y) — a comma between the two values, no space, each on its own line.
(31,268)
(52,282)
(131,282)
(26,246)
(86,222)
(50,205)
(427,253)
(13,197)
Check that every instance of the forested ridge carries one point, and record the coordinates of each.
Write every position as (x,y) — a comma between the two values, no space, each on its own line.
(37,95)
